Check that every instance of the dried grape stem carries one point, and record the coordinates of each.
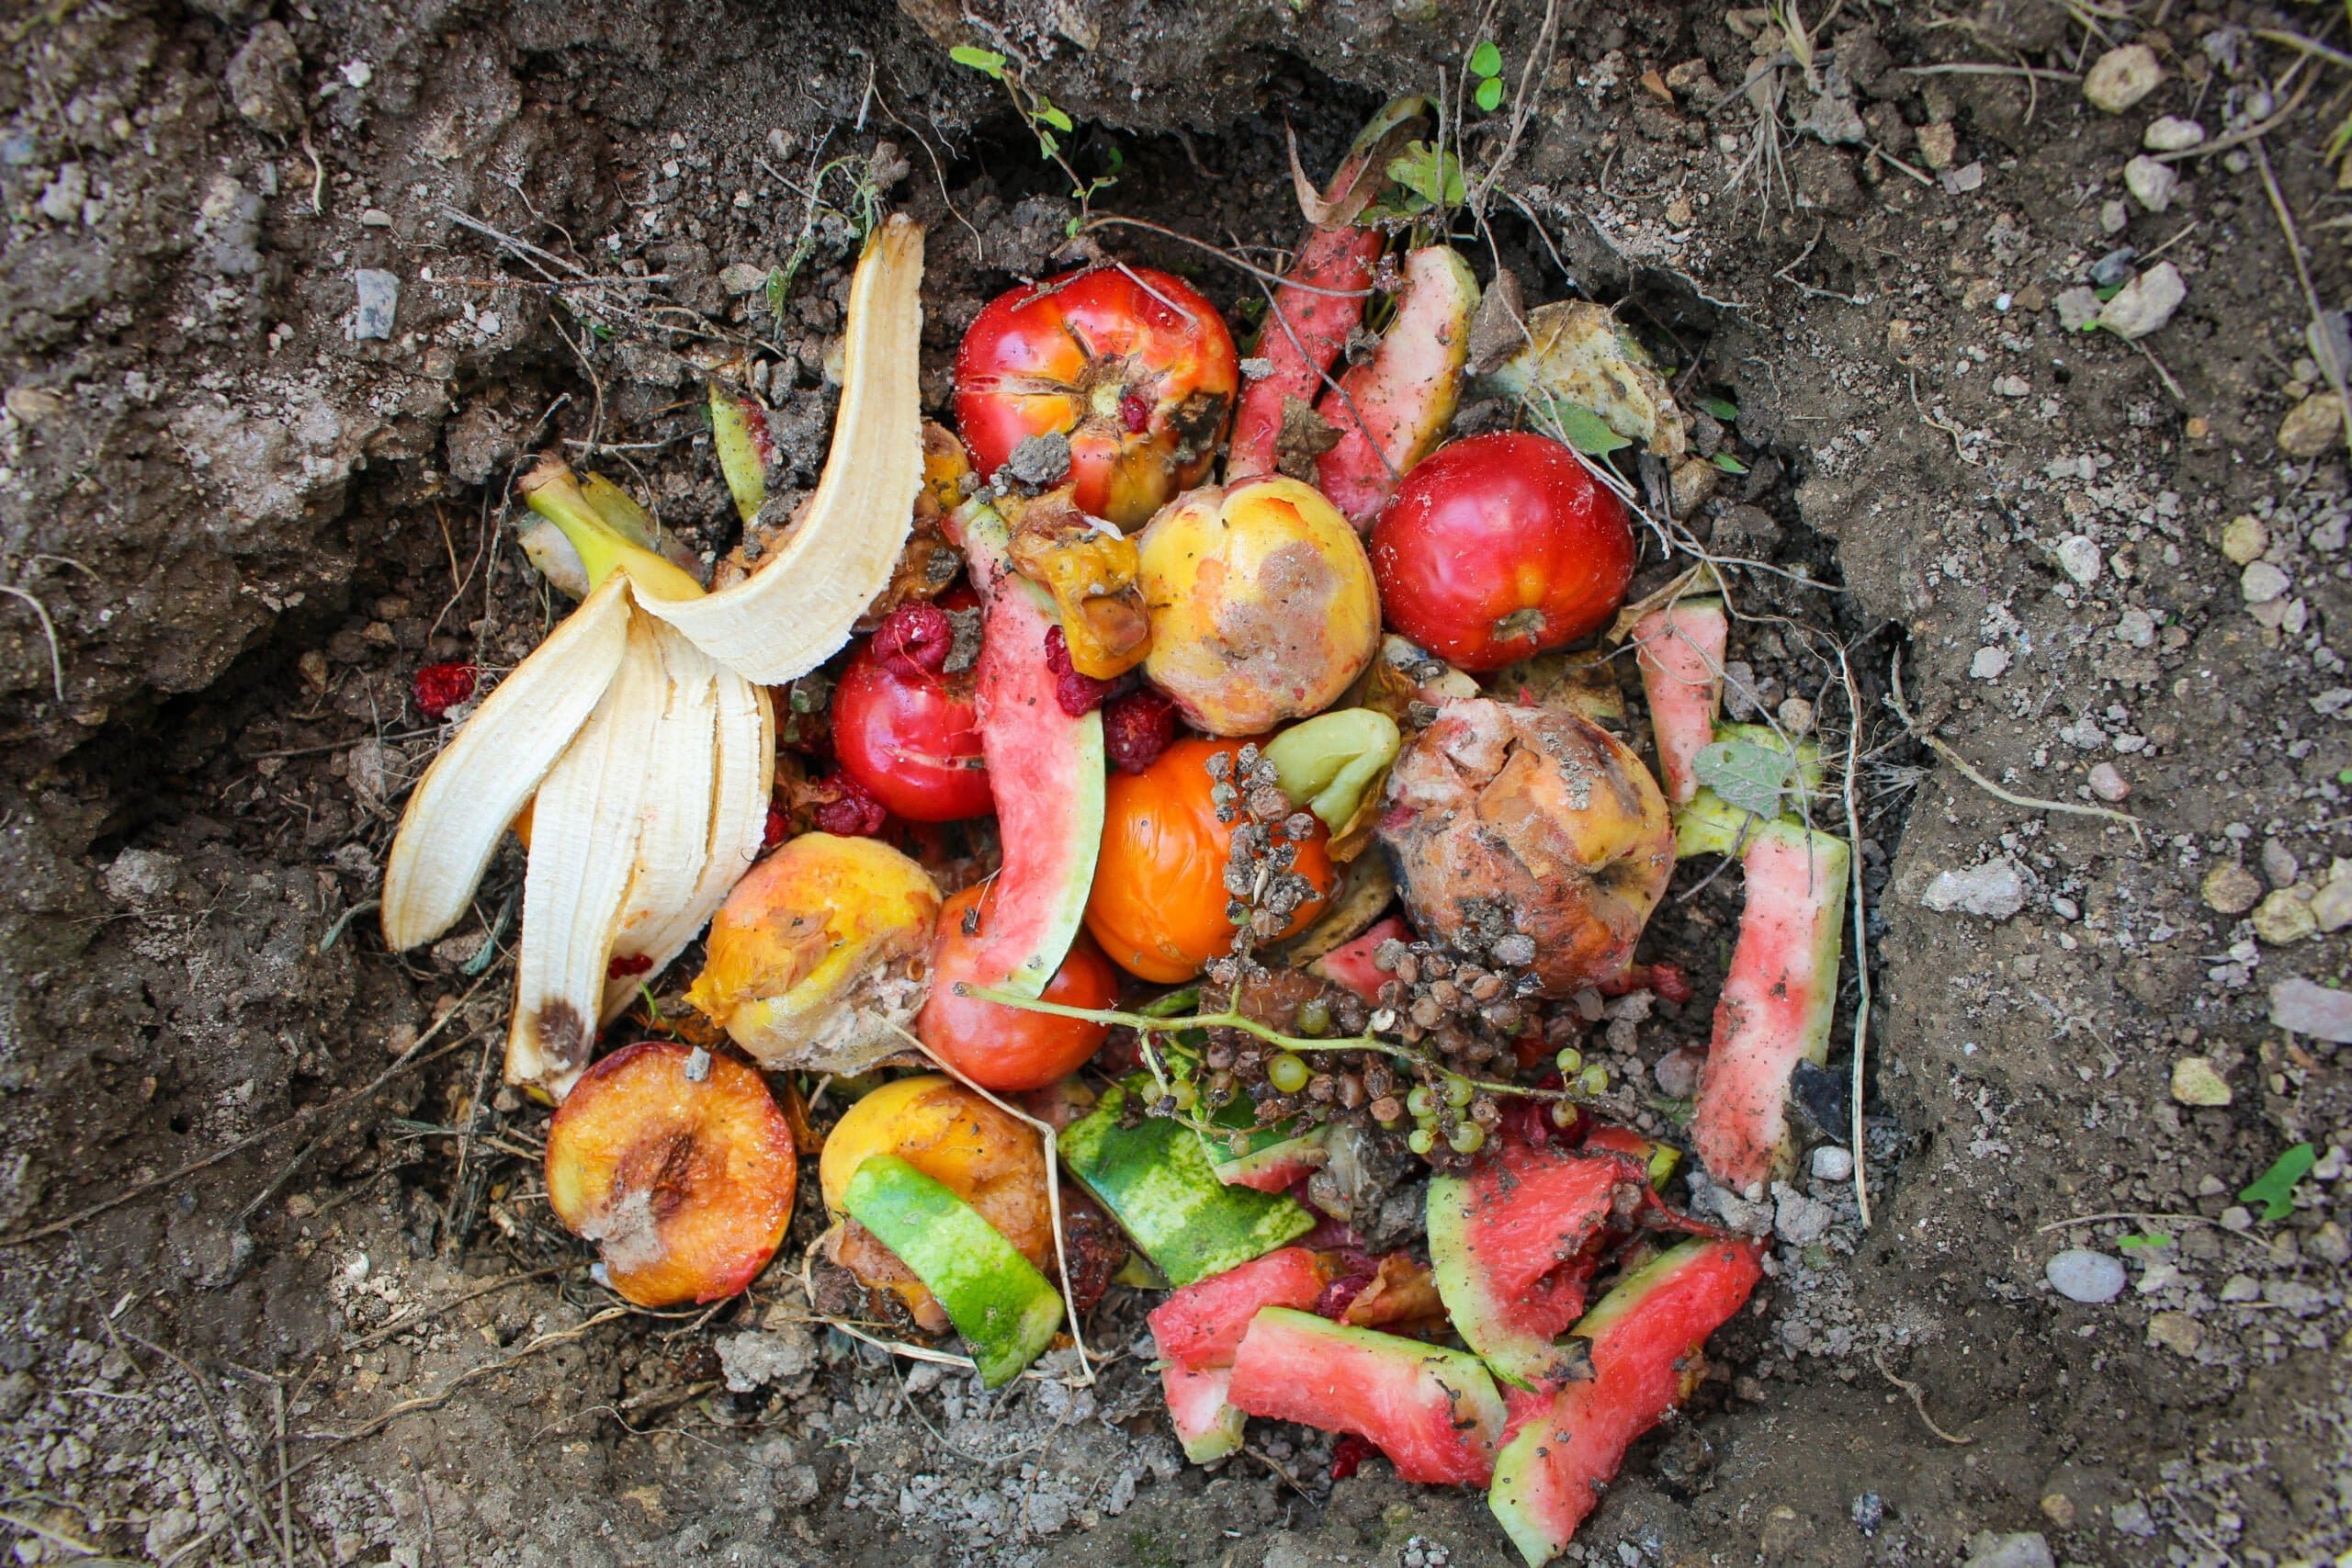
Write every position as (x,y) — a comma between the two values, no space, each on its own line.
(1144,1025)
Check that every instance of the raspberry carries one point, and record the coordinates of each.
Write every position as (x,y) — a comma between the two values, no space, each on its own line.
(624,964)
(913,640)
(1135,412)
(1357,1272)
(440,687)
(1078,694)
(852,813)
(1347,1456)
(779,828)
(1137,728)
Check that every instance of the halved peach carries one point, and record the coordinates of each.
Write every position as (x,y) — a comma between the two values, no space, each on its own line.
(992,1161)
(684,1182)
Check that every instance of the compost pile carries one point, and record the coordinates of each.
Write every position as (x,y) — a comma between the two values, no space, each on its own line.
(1210,774)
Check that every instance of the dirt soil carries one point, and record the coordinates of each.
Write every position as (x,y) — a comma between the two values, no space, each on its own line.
(281,1283)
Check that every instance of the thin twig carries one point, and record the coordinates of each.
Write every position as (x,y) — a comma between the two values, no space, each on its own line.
(1919,1400)
(411,1319)
(2031,802)
(2308,46)
(2238,138)
(471,1374)
(48,630)
(408,1060)
(2323,342)
(1861,935)
(1987,68)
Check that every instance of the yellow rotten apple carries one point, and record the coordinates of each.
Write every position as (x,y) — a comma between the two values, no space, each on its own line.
(819,958)
(1261,604)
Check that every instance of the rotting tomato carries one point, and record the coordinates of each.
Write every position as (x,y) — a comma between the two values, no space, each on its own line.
(903,724)
(1158,902)
(1499,547)
(1131,365)
(1005,1048)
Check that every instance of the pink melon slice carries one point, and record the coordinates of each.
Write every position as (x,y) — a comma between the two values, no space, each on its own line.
(1680,650)
(1201,1325)
(1207,1427)
(1351,964)
(1433,1412)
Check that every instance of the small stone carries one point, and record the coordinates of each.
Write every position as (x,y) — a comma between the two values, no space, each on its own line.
(2237,1217)
(1990,664)
(2243,538)
(2108,782)
(2332,905)
(1939,146)
(2079,559)
(1692,482)
(2231,889)
(2279,864)
(2262,582)
(2329,1244)
(2305,1006)
(2170,134)
(1676,1072)
(2241,1288)
(1797,1219)
(2132,1518)
(2077,308)
(2026,1548)
(2081,1275)
(375,218)
(741,277)
(2312,427)
(2176,1332)
(2059,1509)
(1831,1163)
(2194,1082)
(1795,715)
(60,199)
(2286,917)
(2114,269)
(2123,77)
(1993,891)
(380,301)
(2113,217)
(265,81)
(2152,184)
(2146,303)
(2011,387)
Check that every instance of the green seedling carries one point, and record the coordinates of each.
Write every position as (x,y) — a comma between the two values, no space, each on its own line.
(2275,1187)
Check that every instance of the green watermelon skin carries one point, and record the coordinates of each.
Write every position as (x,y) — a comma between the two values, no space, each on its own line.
(1511,1244)
(1777,1003)
(1435,1413)
(1644,1338)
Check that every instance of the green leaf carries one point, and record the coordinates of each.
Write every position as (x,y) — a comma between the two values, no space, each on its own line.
(1487,60)
(2109,292)
(1054,117)
(1728,463)
(986,62)
(1723,409)
(1748,778)
(1047,145)
(1586,431)
(2275,1187)
(1489,96)
(1428,173)
(2154,1238)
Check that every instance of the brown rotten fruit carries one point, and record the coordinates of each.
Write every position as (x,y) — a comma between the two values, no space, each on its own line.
(1531,835)
(678,1165)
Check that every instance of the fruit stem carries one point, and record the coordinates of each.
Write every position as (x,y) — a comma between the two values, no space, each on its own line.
(1146,1024)
(553,492)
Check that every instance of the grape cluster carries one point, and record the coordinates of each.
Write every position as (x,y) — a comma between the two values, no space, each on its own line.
(1263,889)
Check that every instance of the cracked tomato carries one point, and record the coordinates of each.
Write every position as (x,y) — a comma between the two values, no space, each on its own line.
(1131,365)
(904,727)
(1499,547)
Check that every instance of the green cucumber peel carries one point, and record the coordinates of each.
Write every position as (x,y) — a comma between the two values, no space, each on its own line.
(1006,1310)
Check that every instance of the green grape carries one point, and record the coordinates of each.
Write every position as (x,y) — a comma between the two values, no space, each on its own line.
(1422,1103)
(1594,1079)
(1457,1091)
(1287,1073)
(1423,1141)
(1468,1138)
(1563,1114)
(1315,1018)
(1571,1061)
(1182,1092)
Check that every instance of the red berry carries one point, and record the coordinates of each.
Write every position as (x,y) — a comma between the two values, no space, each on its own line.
(914,639)
(1137,728)
(624,964)
(852,813)
(1357,1272)
(1347,1456)
(778,828)
(440,687)
(1078,694)
(1135,412)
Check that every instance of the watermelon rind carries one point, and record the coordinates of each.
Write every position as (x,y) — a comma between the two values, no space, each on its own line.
(1207,1428)
(1680,650)
(1435,1413)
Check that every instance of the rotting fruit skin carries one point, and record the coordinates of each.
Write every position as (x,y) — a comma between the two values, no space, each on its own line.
(1004,1048)
(684,1184)
(1131,365)
(1263,605)
(1532,821)
(1499,547)
(986,1157)
(1159,901)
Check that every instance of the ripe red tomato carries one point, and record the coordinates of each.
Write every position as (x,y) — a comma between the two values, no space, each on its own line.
(1499,547)
(1131,365)
(1000,1047)
(909,736)
(1158,906)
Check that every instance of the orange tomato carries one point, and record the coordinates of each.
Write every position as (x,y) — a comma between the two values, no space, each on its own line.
(1158,902)
(1000,1047)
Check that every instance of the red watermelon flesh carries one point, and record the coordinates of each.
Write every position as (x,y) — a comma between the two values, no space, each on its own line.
(1201,1325)
(1680,650)
(1644,1338)
(1351,964)
(1515,1242)
(1433,1412)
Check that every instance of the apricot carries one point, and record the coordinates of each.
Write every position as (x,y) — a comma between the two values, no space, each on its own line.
(994,1161)
(819,958)
(678,1165)
(1261,604)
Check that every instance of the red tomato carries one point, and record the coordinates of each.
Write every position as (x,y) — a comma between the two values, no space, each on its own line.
(1131,365)
(1499,547)
(1000,1047)
(910,738)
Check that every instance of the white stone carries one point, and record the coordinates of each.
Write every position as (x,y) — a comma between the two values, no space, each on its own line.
(1990,664)
(2123,77)
(2027,1549)
(2305,1006)
(2262,582)
(1995,890)
(2152,184)
(2082,1275)
(2146,302)
(2108,782)
(1831,1163)
(380,301)
(2171,134)
(2079,559)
